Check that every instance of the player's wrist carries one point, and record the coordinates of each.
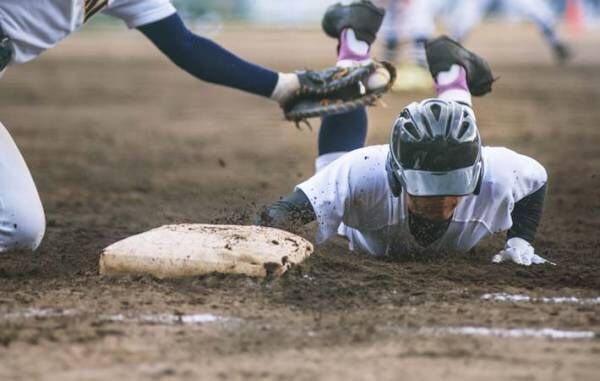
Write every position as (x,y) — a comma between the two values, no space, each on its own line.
(287,84)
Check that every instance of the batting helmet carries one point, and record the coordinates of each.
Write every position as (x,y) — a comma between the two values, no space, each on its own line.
(435,150)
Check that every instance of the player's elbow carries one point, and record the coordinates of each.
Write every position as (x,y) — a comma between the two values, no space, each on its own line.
(538,174)
(172,37)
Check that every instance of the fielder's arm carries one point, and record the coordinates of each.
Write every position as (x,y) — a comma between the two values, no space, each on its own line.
(206,60)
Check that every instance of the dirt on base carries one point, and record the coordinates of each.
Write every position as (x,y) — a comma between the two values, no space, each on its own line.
(120,141)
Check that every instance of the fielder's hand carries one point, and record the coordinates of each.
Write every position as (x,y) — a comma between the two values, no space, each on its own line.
(520,252)
(338,89)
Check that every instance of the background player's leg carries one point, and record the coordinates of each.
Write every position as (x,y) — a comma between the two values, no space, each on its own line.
(467,14)
(543,16)
(390,30)
(421,16)
(22,221)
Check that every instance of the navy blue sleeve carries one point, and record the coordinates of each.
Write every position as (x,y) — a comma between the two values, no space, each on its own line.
(526,215)
(206,60)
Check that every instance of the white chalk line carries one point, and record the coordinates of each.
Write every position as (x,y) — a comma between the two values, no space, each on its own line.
(521,298)
(538,333)
(38,313)
(158,318)
(166,319)
(204,318)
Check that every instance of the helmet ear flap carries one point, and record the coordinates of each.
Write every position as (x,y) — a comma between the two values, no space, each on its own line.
(393,180)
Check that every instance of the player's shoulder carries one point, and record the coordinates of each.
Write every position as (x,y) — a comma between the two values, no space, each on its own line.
(367,177)
(503,162)
(506,170)
(366,163)
(368,155)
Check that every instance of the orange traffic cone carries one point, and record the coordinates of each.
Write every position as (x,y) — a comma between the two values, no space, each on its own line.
(574,16)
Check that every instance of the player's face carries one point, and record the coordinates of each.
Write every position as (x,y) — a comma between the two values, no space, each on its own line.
(433,208)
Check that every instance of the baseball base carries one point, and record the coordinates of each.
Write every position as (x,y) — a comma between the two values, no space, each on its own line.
(173,251)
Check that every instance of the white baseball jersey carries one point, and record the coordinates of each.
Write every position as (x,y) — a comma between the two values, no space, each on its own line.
(352,195)
(34,26)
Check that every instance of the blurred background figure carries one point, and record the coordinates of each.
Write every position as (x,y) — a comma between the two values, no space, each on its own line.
(410,22)
(467,14)
(309,12)
(395,27)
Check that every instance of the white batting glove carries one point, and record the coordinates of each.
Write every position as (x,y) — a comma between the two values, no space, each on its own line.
(520,252)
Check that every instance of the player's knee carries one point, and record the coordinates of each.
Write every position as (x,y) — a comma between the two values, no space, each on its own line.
(23,230)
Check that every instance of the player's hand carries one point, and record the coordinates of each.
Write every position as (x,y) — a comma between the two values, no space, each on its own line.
(520,252)
(338,89)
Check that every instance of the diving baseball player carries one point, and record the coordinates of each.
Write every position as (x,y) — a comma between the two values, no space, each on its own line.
(434,187)
(29,27)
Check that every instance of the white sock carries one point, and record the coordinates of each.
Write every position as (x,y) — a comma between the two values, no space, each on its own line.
(451,87)
(287,84)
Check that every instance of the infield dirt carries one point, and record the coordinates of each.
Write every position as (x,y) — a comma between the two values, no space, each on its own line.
(120,141)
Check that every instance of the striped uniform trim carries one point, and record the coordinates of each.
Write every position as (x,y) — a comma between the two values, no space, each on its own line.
(92,7)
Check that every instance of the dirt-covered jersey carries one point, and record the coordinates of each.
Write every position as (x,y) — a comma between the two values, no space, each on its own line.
(34,26)
(352,196)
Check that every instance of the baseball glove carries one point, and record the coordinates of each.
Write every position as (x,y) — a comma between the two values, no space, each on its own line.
(338,89)
(444,52)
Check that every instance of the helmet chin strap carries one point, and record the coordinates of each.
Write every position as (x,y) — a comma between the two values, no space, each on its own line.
(479,181)
(393,180)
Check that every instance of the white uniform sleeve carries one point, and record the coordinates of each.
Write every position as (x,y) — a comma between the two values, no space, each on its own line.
(353,190)
(136,13)
(527,175)
(522,174)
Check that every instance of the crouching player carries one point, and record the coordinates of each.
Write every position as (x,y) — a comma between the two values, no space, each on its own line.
(434,187)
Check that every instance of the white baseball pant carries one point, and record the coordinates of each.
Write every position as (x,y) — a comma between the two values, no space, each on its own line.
(22,221)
